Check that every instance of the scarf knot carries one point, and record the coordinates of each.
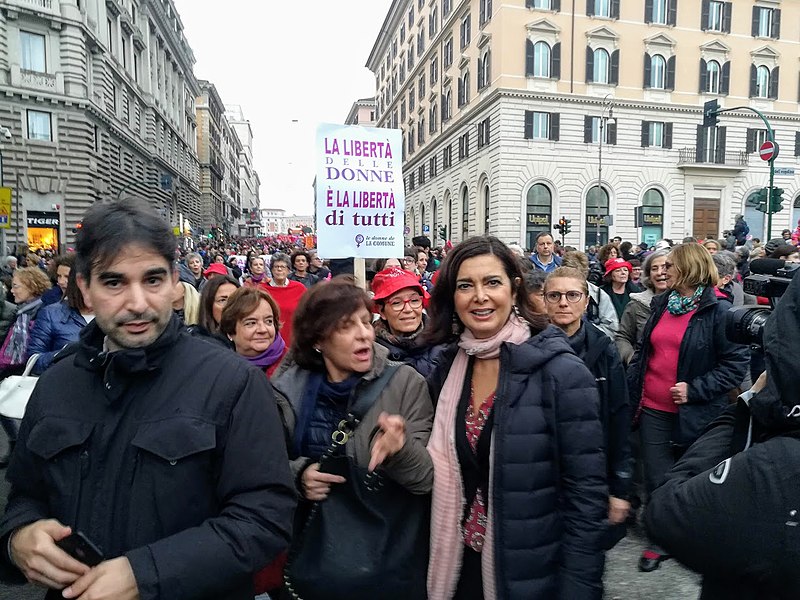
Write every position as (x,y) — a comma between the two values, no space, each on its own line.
(680,305)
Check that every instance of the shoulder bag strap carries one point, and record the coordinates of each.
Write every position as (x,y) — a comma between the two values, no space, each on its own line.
(364,401)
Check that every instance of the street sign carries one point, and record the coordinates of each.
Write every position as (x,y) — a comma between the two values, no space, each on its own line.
(406,230)
(768,151)
(787,171)
(5,207)
(426,229)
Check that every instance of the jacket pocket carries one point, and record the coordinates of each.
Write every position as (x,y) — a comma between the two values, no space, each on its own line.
(174,474)
(63,447)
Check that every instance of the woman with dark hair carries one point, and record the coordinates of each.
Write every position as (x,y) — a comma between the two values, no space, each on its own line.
(333,361)
(301,260)
(597,268)
(287,293)
(516,443)
(251,321)
(58,325)
(59,275)
(257,274)
(213,299)
(233,265)
(683,368)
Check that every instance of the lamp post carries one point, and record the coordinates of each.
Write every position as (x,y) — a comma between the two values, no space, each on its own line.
(608,105)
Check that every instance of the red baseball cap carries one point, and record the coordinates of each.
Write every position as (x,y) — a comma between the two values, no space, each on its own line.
(617,263)
(217,268)
(392,280)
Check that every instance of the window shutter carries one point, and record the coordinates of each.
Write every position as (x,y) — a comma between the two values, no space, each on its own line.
(555,126)
(725,82)
(756,19)
(587,129)
(727,9)
(704,13)
(753,81)
(648,11)
(460,91)
(555,61)
(614,75)
(528,124)
(774,83)
(590,8)
(671,73)
(615,9)
(720,149)
(480,73)
(556,5)
(647,70)
(672,12)
(529,58)
(589,65)
(776,23)
(703,76)
(797,143)
(612,134)
(668,135)
(750,141)
(699,146)
(645,134)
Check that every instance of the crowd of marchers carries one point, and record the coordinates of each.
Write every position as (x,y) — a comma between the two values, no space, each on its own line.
(474,421)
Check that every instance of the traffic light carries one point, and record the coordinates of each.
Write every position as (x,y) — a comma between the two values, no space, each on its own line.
(776,205)
(758,200)
(565,228)
(559,227)
(443,233)
(711,113)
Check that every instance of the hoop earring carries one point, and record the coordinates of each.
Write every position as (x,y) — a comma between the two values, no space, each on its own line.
(317,350)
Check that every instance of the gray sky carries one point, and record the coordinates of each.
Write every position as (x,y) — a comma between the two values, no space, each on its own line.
(287,61)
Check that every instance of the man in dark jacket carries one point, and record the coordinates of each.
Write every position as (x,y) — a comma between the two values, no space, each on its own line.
(740,230)
(163,450)
(730,508)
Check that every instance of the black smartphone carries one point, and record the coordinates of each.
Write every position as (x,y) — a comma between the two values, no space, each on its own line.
(81,548)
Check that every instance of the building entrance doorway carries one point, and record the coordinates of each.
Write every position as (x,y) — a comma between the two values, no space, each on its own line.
(706,219)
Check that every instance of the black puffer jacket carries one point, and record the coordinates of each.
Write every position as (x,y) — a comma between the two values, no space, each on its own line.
(707,361)
(414,354)
(548,473)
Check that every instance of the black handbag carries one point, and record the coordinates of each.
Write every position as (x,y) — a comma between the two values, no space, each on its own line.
(369,539)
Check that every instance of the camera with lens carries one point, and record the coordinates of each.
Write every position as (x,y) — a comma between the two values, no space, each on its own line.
(770,279)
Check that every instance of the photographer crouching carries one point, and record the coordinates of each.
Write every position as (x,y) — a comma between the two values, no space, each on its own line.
(730,507)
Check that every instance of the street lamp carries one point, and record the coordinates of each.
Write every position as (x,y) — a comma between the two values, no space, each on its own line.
(608,107)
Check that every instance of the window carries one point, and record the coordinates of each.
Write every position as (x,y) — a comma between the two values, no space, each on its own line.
(402,32)
(594,128)
(545,4)
(710,144)
(463,89)
(40,126)
(402,71)
(410,17)
(658,72)
(483,133)
(601,66)
(421,4)
(762,82)
(410,59)
(447,105)
(539,203)
(714,15)
(463,146)
(597,208)
(32,52)
(484,70)
(713,76)
(412,99)
(447,6)
(433,22)
(421,87)
(659,14)
(447,156)
(485,11)
(394,48)
(124,52)
(432,114)
(448,52)
(411,145)
(421,131)
(110,36)
(657,134)
(421,171)
(766,22)
(466,30)
(542,125)
(432,169)
(464,213)
(755,139)
(403,110)
(421,42)
(434,70)
(541,60)
(486,209)
(412,182)
(599,8)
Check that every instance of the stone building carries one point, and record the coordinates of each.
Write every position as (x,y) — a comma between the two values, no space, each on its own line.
(249,183)
(98,97)
(363,112)
(503,108)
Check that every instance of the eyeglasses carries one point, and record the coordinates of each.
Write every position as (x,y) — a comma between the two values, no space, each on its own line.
(573,296)
(657,268)
(398,305)
(408,259)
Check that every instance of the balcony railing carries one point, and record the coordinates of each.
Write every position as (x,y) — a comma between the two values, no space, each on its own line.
(712,157)
(43,4)
(49,6)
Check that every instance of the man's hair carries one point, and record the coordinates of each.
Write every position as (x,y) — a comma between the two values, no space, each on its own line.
(297,253)
(279,257)
(193,255)
(541,234)
(725,262)
(423,241)
(110,227)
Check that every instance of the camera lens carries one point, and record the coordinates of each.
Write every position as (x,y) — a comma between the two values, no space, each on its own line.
(745,324)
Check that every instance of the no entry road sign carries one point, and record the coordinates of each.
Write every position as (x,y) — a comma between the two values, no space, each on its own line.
(768,151)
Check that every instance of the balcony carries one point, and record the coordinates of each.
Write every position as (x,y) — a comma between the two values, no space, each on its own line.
(35,80)
(716,159)
(43,6)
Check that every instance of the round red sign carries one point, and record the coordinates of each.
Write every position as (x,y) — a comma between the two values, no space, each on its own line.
(768,151)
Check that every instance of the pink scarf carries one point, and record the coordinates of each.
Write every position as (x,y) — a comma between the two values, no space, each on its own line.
(448,490)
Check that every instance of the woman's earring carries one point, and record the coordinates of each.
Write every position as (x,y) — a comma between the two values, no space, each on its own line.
(456,326)
(317,350)
(516,310)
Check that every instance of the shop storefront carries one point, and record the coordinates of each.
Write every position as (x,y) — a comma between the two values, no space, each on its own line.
(43,230)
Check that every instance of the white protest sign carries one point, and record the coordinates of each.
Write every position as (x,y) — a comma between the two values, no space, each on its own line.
(360,193)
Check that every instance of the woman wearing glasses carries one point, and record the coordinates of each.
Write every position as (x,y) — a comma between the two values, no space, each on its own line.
(566,295)
(683,369)
(519,487)
(399,299)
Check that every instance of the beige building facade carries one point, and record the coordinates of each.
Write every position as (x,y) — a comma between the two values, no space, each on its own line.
(503,106)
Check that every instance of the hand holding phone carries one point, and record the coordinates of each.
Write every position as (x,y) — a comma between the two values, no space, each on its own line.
(81,548)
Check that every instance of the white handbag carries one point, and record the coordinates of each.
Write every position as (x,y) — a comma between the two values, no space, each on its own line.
(15,391)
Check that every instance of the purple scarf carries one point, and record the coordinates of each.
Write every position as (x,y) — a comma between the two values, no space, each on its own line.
(258,279)
(270,356)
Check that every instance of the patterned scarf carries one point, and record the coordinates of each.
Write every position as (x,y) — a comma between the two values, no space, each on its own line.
(406,341)
(681,305)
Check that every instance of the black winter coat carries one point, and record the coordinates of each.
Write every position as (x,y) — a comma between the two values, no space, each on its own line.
(549,489)
(171,455)
(422,358)
(708,362)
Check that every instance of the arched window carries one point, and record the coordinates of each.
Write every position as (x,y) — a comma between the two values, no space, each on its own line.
(487,220)
(447,108)
(541,60)
(539,210)
(795,214)
(487,68)
(653,216)
(762,82)
(464,213)
(434,221)
(597,205)
(753,216)
(601,66)
(432,118)
(412,222)
(422,218)
(658,72)
(713,71)
(448,217)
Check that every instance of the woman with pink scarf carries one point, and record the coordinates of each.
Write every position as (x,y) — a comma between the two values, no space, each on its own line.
(519,493)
